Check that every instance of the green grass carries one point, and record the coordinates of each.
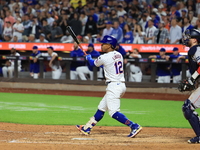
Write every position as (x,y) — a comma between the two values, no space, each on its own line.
(71,110)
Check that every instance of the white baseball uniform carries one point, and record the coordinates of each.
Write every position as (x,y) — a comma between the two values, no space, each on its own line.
(56,68)
(9,70)
(114,73)
(135,72)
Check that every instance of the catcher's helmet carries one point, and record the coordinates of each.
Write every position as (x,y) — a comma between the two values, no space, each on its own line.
(189,34)
(107,39)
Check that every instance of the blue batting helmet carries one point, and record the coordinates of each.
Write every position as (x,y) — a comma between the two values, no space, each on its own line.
(191,34)
(107,39)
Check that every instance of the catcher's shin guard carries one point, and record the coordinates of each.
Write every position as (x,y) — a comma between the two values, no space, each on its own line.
(191,116)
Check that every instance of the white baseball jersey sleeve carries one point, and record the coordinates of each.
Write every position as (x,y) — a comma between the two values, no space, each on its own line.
(113,66)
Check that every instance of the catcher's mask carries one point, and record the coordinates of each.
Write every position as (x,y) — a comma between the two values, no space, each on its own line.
(190,34)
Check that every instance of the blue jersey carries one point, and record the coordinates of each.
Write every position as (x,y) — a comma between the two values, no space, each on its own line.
(94,54)
(75,64)
(128,39)
(162,68)
(35,67)
(176,67)
(193,58)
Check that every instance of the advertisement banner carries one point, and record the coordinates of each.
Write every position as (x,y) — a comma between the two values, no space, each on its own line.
(67,47)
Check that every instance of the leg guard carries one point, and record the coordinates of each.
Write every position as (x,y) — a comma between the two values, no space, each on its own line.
(191,116)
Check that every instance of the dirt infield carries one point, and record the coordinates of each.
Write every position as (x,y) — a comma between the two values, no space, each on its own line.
(46,137)
(41,137)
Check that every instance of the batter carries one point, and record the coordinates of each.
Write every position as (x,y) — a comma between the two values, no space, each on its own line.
(112,62)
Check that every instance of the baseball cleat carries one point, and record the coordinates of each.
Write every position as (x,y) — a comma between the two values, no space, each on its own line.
(135,131)
(81,129)
(194,140)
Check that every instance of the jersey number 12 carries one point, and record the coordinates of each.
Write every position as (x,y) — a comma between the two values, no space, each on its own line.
(118,67)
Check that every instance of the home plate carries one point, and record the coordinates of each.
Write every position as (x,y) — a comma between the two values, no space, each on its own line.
(82,139)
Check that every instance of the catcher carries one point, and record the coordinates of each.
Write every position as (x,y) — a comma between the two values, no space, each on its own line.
(192,40)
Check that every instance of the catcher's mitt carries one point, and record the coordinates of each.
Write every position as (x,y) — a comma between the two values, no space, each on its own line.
(186,85)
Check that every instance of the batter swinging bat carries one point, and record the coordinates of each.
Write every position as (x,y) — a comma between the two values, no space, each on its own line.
(71,32)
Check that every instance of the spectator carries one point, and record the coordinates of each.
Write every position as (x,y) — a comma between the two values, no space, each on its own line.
(9,18)
(46,29)
(54,63)
(79,8)
(64,22)
(91,26)
(50,19)
(113,16)
(101,23)
(139,34)
(35,27)
(83,18)
(122,22)
(161,35)
(93,14)
(108,29)
(35,64)
(77,52)
(117,32)
(162,70)
(186,24)
(150,32)
(18,29)
(175,67)
(197,24)
(128,34)
(15,39)
(192,18)
(56,33)
(76,24)
(135,73)
(67,38)
(174,13)
(31,38)
(83,71)
(120,10)
(27,25)
(143,21)
(8,69)
(41,39)
(7,38)
(183,13)
(8,31)
(175,33)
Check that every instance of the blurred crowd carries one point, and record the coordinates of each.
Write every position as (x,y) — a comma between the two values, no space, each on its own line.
(129,21)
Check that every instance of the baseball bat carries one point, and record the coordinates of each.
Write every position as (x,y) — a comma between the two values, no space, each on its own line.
(71,32)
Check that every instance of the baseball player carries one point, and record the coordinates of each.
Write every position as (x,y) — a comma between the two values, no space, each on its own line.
(135,73)
(77,52)
(112,62)
(192,40)
(175,67)
(163,71)
(84,70)
(8,69)
(35,65)
(54,62)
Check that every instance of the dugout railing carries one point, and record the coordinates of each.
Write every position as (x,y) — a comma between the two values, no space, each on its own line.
(152,62)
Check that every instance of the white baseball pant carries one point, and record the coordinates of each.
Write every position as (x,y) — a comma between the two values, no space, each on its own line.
(8,71)
(163,79)
(56,72)
(111,100)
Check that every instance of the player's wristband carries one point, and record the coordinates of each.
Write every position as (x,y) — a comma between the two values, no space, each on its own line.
(195,75)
